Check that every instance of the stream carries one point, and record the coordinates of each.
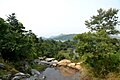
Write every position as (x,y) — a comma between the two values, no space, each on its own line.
(61,73)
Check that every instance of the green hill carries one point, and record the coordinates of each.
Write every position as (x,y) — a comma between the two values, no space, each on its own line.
(63,37)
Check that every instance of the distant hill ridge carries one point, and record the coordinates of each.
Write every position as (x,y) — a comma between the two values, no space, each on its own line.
(63,37)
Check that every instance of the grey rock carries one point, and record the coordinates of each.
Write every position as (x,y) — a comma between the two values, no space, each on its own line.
(34,72)
(36,78)
(36,61)
(16,78)
(49,59)
(45,62)
(20,76)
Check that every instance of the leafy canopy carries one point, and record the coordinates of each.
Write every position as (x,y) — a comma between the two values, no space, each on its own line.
(105,20)
(101,52)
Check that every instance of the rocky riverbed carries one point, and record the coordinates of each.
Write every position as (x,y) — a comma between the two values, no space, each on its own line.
(56,70)
(53,62)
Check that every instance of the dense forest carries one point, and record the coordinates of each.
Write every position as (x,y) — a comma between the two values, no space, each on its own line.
(19,44)
(97,50)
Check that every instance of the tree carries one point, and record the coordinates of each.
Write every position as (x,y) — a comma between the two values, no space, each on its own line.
(100,52)
(15,42)
(94,43)
(15,25)
(106,20)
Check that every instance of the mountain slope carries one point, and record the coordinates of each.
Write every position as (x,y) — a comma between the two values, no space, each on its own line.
(63,37)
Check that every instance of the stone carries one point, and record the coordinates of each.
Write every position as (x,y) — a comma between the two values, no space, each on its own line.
(54,64)
(49,59)
(40,77)
(64,62)
(45,62)
(34,72)
(16,78)
(20,76)
(77,66)
(36,61)
(72,65)
(78,63)
(55,61)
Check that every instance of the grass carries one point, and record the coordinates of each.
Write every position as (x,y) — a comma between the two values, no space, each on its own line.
(38,67)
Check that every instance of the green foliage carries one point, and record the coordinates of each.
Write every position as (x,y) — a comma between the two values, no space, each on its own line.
(50,48)
(15,42)
(105,20)
(62,55)
(96,43)
(47,48)
(96,48)
(100,52)
(3,74)
(102,65)
(18,44)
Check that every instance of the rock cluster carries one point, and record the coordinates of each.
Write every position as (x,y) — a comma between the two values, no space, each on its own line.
(36,75)
(53,62)
(68,63)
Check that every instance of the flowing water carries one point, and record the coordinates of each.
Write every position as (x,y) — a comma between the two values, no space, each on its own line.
(61,73)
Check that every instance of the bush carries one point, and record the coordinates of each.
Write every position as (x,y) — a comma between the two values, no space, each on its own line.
(103,64)
(62,55)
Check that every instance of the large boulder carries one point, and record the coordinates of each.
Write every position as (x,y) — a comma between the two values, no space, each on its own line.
(68,63)
(64,62)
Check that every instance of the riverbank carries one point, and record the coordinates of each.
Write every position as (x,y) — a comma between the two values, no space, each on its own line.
(46,68)
(24,69)
(19,70)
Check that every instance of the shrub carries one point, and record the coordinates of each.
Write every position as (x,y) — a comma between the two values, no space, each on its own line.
(102,65)
(62,55)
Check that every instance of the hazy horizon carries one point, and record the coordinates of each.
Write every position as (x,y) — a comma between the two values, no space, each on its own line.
(48,18)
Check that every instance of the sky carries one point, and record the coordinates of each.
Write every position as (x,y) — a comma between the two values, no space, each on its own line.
(53,17)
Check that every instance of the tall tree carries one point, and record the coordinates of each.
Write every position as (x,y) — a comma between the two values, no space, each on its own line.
(107,20)
(15,42)
(99,50)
